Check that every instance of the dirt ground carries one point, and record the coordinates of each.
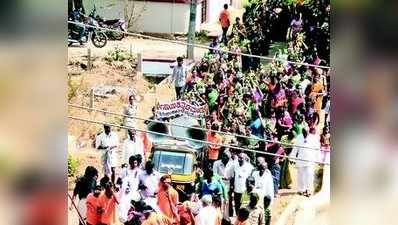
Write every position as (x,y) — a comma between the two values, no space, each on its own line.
(149,49)
(123,76)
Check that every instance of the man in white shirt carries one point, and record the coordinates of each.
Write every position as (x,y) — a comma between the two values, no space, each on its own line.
(264,182)
(133,145)
(240,172)
(207,214)
(130,175)
(179,77)
(304,82)
(130,110)
(129,189)
(306,169)
(108,141)
(220,168)
(149,181)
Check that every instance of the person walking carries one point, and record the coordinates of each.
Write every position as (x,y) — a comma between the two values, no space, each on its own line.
(132,145)
(167,199)
(225,23)
(214,149)
(179,77)
(149,184)
(107,203)
(220,169)
(256,215)
(84,186)
(264,182)
(273,164)
(130,110)
(239,172)
(250,188)
(306,169)
(93,207)
(209,185)
(130,175)
(109,142)
(207,214)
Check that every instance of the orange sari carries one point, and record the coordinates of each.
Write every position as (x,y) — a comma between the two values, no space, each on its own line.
(316,89)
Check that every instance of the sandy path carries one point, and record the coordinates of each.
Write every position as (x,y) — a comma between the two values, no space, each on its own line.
(149,48)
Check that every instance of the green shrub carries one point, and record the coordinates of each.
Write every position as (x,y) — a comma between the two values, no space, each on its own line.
(201,36)
(73,163)
(74,84)
(118,54)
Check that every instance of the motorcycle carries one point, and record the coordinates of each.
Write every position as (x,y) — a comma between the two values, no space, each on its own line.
(97,37)
(115,24)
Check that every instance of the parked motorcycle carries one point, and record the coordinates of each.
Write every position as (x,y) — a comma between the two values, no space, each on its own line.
(97,37)
(115,24)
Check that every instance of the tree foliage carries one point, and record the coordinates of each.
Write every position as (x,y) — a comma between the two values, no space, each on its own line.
(268,22)
(73,163)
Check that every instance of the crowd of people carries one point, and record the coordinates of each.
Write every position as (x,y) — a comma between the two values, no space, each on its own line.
(141,195)
(274,110)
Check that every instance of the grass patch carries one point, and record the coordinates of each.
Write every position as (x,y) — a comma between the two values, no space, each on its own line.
(73,164)
(201,37)
(118,54)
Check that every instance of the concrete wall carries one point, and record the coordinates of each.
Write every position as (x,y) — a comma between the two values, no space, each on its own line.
(156,17)
(159,17)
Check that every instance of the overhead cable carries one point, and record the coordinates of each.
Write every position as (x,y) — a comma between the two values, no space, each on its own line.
(197,128)
(194,140)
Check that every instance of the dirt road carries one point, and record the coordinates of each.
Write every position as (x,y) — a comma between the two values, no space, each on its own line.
(149,48)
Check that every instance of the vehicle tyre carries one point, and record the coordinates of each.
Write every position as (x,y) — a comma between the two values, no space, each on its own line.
(99,39)
(118,35)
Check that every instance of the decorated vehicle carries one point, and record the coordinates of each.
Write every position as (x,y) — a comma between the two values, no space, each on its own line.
(177,153)
(179,161)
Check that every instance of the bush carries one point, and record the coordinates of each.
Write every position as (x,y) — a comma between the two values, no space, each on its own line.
(202,37)
(73,163)
(118,55)
(74,84)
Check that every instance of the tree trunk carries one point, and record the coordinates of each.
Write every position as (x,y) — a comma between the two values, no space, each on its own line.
(79,5)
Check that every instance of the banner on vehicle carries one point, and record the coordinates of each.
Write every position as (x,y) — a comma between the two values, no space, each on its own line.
(178,108)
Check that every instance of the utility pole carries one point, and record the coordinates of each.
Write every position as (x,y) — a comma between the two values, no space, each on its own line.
(191,29)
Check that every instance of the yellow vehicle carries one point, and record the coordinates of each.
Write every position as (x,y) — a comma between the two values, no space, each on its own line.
(176,156)
(179,161)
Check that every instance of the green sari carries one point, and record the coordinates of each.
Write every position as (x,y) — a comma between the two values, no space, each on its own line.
(285,177)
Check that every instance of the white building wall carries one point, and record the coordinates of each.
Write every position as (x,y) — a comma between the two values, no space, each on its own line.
(160,17)
(156,17)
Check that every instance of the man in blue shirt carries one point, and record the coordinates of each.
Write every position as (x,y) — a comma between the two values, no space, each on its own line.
(209,185)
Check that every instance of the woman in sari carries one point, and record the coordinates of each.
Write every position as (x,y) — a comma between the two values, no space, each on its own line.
(286,179)
(279,96)
(325,145)
(317,90)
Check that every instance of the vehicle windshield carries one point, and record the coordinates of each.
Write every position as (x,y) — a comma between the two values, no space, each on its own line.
(174,162)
